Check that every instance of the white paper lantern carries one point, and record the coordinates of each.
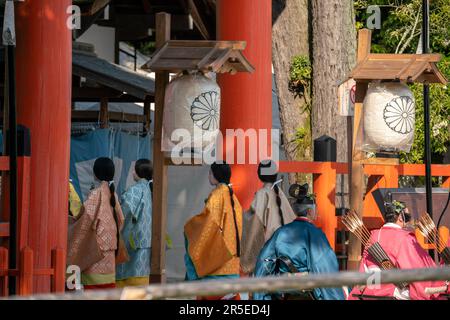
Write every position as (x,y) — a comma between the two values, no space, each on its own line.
(389,117)
(192,105)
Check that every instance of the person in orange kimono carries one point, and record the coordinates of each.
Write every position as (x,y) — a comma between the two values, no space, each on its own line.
(213,237)
(101,213)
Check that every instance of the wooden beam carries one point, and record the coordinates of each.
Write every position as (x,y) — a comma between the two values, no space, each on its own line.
(179,22)
(205,60)
(86,22)
(98,5)
(147,114)
(356,166)
(205,55)
(364,44)
(159,221)
(219,44)
(94,93)
(198,21)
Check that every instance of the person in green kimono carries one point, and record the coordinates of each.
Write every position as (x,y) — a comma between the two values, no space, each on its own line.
(137,209)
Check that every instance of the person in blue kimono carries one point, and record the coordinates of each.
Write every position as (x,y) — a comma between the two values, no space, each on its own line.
(298,247)
(137,208)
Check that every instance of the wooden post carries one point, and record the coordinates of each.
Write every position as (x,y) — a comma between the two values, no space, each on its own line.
(386,178)
(4,268)
(356,170)
(147,114)
(325,189)
(26,272)
(159,219)
(43,105)
(391,176)
(59,272)
(104,121)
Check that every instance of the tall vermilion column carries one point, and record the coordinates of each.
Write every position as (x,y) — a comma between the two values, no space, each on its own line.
(247,98)
(44,68)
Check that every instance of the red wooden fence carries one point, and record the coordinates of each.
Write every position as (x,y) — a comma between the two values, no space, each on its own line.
(26,271)
(379,175)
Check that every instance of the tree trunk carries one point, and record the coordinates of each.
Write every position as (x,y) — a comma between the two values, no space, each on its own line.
(290,37)
(334,56)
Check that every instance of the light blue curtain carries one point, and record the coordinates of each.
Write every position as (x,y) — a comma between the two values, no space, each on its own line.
(122,147)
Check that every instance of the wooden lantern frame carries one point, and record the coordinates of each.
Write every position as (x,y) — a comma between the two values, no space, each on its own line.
(173,57)
(408,68)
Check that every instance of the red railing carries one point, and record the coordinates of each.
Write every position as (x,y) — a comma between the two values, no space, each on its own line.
(25,272)
(379,175)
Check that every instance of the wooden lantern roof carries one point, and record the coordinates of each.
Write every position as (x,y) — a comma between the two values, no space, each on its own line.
(403,67)
(207,56)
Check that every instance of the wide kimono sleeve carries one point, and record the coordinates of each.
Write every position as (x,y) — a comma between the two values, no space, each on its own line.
(358,289)
(120,215)
(253,231)
(130,202)
(80,232)
(266,264)
(412,256)
(92,204)
(323,261)
(201,239)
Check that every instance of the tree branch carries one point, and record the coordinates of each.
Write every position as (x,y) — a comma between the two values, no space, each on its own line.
(412,34)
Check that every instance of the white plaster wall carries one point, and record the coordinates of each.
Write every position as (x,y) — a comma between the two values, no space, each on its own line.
(103,40)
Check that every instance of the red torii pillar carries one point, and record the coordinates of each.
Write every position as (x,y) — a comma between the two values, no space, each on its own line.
(246,99)
(44,69)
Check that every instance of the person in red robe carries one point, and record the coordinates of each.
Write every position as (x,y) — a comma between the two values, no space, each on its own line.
(404,251)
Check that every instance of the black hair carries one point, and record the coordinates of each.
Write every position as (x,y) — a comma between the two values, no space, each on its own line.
(104,171)
(269,165)
(222,173)
(300,194)
(391,213)
(144,170)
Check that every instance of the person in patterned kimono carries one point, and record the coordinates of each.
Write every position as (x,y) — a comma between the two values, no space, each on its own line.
(213,237)
(102,211)
(137,208)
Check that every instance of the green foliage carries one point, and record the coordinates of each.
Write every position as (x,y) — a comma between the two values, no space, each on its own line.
(439,118)
(303,143)
(300,85)
(302,140)
(300,76)
(401,33)
(146,48)
(399,19)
